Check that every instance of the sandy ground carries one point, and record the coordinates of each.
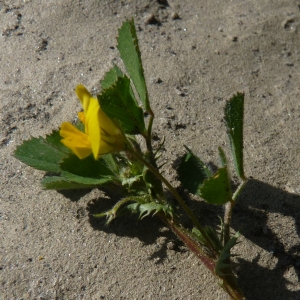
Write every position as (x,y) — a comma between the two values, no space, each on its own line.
(50,247)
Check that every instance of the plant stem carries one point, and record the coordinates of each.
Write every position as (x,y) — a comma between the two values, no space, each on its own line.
(228,211)
(229,283)
(178,198)
(227,221)
(239,189)
(149,130)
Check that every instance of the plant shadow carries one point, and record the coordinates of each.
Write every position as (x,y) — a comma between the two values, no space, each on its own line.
(147,230)
(250,217)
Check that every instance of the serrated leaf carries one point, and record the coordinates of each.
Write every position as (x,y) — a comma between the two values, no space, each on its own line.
(43,154)
(118,103)
(63,183)
(131,56)
(116,209)
(146,209)
(192,172)
(131,180)
(234,117)
(216,189)
(111,77)
(54,139)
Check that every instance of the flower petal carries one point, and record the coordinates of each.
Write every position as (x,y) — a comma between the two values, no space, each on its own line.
(84,96)
(75,140)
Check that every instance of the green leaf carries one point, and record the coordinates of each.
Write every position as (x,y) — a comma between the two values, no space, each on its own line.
(63,183)
(43,154)
(54,139)
(216,189)
(111,162)
(192,172)
(234,117)
(86,170)
(117,211)
(118,103)
(223,266)
(131,56)
(111,77)
(141,205)
(211,234)
(145,209)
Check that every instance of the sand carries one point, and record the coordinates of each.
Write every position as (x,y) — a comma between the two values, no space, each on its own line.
(196,55)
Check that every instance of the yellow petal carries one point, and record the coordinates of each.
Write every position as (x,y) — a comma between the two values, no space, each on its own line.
(92,126)
(91,114)
(101,133)
(84,96)
(107,124)
(81,117)
(75,140)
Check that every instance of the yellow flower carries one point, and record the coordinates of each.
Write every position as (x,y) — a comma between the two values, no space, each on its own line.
(101,135)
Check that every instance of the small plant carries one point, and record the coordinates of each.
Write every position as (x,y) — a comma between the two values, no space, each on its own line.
(103,151)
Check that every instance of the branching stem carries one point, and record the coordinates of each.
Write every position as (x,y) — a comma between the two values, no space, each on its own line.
(178,198)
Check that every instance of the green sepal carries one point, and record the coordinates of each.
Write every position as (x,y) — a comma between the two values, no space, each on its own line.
(118,102)
(216,189)
(234,118)
(131,56)
(192,172)
(43,153)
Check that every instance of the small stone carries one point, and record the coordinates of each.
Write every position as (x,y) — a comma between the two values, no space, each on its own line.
(151,20)
(175,16)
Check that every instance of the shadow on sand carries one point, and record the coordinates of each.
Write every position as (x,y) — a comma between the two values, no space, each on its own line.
(250,217)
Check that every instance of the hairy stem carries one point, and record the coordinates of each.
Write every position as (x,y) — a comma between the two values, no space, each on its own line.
(178,198)
(228,211)
(227,221)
